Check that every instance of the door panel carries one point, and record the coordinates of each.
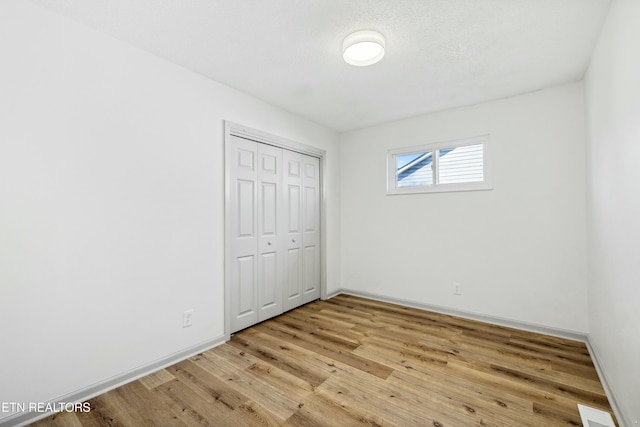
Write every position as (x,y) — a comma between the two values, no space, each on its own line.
(270,230)
(245,293)
(293,238)
(294,209)
(310,209)
(269,295)
(246,208)
(243,270)
(311,235)
(246,156)
(294,163)
(309,269)
(269,208)
(293,278)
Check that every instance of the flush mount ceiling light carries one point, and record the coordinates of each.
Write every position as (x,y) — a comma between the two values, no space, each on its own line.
(363,48)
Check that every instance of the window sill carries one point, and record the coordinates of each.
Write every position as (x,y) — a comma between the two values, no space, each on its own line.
(442,188)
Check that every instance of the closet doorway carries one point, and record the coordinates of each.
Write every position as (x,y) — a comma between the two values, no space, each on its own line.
(273,218)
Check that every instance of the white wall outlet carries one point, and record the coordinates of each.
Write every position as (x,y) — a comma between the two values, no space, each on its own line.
(187,318)
(457,288)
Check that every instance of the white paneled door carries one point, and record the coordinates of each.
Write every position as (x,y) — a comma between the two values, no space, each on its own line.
(274,236)
(243,273)
(269,288)
(310,228)
(292,183)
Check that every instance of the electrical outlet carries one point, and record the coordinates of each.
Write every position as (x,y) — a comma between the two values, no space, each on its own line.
(187,318)
(457,288)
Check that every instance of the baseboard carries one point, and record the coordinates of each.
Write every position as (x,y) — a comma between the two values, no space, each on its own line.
(611,394)
(335,293)
(530,327)
(101,387)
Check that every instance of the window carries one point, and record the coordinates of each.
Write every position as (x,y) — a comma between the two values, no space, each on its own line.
(459,165)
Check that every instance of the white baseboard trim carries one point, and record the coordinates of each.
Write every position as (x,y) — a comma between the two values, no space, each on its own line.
(84,394)
(334,293)
(516,324)
(608,389)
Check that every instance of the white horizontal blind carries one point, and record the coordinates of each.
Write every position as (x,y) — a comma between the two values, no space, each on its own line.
(461,164)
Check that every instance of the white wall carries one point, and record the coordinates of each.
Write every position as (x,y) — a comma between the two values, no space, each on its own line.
(612,87)
(111,203)
(519,250)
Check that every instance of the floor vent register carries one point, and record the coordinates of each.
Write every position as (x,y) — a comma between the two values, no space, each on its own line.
(592,417)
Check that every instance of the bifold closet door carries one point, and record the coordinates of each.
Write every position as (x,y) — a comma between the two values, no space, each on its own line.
(270,239)
(256,270)
(302,199)
(274,259)
(311,229)
(292,187)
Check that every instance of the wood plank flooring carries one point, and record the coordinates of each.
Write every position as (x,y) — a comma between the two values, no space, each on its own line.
(350,361)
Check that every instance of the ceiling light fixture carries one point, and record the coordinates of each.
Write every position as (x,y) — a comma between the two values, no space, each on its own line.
(363,48)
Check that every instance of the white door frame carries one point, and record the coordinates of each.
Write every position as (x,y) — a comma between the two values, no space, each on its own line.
(241,131)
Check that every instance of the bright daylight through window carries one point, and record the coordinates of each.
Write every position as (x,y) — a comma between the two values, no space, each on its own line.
(460,165)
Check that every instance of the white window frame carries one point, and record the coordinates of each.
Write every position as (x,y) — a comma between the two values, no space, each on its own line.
(436,187)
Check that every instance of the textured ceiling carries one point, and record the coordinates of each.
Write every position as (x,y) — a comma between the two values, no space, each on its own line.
(440,53)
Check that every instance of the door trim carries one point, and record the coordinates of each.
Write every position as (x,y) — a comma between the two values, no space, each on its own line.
(235,129)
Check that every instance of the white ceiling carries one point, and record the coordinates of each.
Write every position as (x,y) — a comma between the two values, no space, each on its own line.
(440,53)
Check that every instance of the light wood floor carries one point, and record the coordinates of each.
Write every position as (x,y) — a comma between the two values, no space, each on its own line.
(349,361)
